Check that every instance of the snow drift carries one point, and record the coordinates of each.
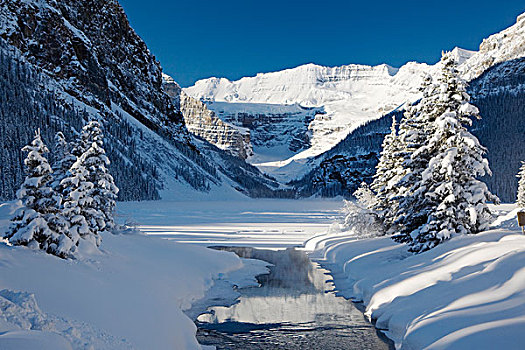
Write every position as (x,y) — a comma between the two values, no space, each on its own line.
(468,293)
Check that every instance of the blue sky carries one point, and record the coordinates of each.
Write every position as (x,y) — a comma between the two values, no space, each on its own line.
(196,39)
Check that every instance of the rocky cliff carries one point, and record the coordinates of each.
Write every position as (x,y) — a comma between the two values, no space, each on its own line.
(283,128)
(203,123)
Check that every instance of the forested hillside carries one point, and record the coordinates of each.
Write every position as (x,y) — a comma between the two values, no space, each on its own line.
(26,107)
(500,96)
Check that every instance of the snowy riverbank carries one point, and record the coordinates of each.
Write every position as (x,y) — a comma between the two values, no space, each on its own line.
(468,293)
(129,295)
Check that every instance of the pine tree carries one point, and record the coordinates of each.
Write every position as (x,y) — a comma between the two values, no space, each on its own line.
(521,186)
(63,160)
(412,206)
(105,191)
(77,206)
(449,182)
(38,223)
(384,169)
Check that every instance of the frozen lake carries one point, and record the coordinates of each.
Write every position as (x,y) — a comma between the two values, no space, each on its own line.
(262,223)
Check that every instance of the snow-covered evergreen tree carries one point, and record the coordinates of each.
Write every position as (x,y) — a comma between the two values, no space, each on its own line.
(387,162)
(105,191)
(359,217)
(458,201)
(521,186)
(411,206)
(39,223)
(365,196)
(63,160)
(389,172)
(89,190)
(78,204)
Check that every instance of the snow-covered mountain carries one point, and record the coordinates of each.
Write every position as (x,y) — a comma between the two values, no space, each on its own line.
(349,95)
(60,69)
(65,62)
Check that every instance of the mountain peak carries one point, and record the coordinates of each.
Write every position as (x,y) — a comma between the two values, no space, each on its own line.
(462,55)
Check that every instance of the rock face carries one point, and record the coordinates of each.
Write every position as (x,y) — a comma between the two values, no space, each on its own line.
(204,123)
(89,46)
(173,90)
(284,127)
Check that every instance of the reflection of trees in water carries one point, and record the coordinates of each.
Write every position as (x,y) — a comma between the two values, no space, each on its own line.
(292,269)
(289,311)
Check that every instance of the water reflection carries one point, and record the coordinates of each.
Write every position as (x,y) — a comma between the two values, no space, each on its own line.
(293,309)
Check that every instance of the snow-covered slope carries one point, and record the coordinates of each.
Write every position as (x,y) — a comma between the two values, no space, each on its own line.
(506,45)
(129,295)
(350,95)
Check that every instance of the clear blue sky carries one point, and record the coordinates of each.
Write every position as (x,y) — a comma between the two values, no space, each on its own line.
(195,39)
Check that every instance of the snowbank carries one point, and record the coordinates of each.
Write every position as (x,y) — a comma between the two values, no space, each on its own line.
(130,295)
(468,293)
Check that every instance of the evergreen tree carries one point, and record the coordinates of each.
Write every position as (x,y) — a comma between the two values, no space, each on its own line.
(105,191)
(63,160)
(449,182)
(521,186)
(78,204)
(387,176)
(38,223)
(384,169)
(412,206)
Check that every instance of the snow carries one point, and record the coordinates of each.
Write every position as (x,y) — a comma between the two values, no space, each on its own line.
(129,295)
(467,293)
(262,223)
(351,95)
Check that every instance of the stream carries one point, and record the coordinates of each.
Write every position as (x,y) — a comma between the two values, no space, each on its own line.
(295,308)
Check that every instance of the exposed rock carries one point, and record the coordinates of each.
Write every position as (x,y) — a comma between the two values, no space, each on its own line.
(282,126)
(204,123)
(90,47)
(506,45)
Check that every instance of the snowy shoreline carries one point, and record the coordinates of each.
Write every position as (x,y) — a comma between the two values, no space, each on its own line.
(466,293)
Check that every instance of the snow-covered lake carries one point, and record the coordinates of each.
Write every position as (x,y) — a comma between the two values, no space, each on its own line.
(255,223)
